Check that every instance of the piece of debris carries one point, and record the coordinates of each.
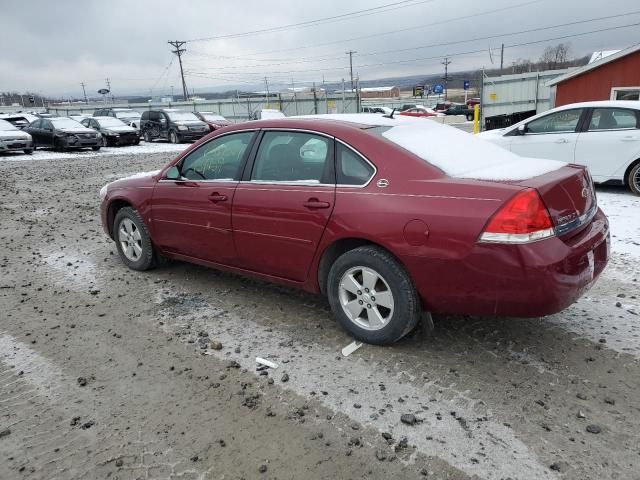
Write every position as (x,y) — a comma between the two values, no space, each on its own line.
(266,363)
(593,429)
(408,419)
(285,378)
(215,345)
(5,433)
(352,347)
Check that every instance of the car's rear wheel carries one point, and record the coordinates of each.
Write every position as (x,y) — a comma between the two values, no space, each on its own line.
(634,179)
(372,296)
(469,117)
(173,137)
(147,136)
(95,148)
(132,240)
(28,151)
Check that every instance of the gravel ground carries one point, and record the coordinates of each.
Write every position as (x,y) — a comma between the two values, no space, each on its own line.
(110,373)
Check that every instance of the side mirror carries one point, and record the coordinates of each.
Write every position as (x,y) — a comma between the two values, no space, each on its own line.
(522,129)
(173,173)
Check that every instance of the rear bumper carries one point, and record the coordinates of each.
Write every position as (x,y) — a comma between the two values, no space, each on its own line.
(531,280)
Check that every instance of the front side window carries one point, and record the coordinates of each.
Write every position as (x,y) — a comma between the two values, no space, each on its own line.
(352,168)
(219,159)
(612,119)
(563,121)
(293,157)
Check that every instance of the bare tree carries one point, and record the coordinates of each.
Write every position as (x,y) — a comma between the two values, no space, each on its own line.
(555,56)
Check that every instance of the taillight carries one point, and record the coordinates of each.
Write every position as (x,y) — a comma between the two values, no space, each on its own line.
(523,219)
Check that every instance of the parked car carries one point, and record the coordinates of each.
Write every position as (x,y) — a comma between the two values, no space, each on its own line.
(79,117)
(13,139)
(450,108)
(172,124)
(19,120)
(127,115)
(45,115)
(472,102)
(214,120)
(383,110)
(114,132)
(603,136)
(62,133)
(266,113)
(380,214)
(419,112)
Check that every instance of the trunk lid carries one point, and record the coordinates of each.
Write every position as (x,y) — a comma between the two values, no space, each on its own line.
(569,196)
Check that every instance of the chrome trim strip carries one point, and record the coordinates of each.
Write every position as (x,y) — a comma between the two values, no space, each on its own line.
(575,223)
(286,183)
(517,238)
(420,196)
(221,180)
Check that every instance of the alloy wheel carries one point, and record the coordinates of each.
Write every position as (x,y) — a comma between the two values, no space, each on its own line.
(366,298)
(636,180)
(130,240)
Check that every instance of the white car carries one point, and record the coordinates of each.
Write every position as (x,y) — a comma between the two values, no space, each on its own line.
(13,139)
(604,136)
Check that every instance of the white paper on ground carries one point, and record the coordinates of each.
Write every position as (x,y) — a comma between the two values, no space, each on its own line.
(352,347)
(266,363)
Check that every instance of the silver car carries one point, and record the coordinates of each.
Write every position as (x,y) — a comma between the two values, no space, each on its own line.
(12,139)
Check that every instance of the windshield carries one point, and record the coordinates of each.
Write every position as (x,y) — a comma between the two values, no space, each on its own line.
(128,114)
(111,122)
(182,116)
(65,123)
(4,125)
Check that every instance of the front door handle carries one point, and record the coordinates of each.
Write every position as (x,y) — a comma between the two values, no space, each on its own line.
(562,140)
(314,203)
(216,197)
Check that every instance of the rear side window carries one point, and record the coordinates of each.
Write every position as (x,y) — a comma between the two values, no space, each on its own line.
(613,119)
(293,157)
(562,121)
(36,124)
(352,169)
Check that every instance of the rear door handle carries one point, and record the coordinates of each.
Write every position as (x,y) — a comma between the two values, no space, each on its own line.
(630,139)
(562,140)
(314,203)
(216,197)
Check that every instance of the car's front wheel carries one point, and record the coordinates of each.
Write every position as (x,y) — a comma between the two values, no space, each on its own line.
(372,296)
(634,179)
(133,240)
(28,151)
(147,136)
(173,137)
(95,148)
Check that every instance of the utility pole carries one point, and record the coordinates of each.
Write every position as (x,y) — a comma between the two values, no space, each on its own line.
(179,51)
(266,94)
(501,58)
(84,93)
(350,53)
(108,82)
(446,63)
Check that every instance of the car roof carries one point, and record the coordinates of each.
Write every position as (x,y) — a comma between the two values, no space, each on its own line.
(601,103)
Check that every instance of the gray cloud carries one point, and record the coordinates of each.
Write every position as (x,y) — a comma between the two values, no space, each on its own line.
(52,46)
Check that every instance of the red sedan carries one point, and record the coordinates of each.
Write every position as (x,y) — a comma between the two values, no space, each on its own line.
(213,120)
(376,213)
(419,112)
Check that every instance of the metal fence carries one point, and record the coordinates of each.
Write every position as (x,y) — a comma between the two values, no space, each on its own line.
(239,109)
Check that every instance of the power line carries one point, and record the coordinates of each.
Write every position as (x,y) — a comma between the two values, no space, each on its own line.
(320,21)
(482,50)
(442,44)
(179,51)
(375,35)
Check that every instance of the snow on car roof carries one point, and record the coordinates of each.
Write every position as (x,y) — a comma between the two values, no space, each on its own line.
(456,153)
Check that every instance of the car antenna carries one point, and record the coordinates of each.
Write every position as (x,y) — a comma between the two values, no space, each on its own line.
(391,114)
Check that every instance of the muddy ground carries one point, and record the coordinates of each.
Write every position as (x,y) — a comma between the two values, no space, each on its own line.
(110,373)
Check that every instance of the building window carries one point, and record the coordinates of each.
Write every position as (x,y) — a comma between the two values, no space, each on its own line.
(626,93)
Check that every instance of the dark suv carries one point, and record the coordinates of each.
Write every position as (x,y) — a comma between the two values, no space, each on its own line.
(172,124)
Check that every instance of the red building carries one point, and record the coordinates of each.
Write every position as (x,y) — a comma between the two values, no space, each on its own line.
(615,77)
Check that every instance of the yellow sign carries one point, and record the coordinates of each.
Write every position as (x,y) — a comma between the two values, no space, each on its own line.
(493,96)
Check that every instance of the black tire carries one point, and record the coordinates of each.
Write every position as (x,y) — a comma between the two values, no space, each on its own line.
(634,179)
(173,137)
(28,151)
(469,117)
(147,136)
(57,147)
(406,310)
(95,148)
(147,259)
(105,141)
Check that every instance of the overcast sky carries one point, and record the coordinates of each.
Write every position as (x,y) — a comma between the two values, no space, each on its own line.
(53,46)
